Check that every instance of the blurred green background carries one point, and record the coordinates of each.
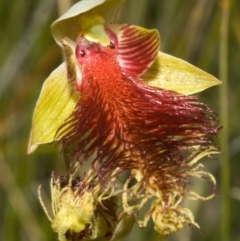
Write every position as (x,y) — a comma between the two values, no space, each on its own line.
(189,30)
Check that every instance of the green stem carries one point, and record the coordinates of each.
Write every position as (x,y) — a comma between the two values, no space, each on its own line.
(223,73)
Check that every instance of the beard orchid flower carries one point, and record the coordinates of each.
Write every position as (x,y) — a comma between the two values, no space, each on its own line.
(122,104)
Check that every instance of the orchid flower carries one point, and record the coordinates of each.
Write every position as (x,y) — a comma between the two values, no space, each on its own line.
(121,103)
(57,99)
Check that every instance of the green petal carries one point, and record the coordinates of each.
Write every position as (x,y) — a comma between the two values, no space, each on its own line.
(71,65)
(137,47)
(68,24)
(175,74)
(56,102)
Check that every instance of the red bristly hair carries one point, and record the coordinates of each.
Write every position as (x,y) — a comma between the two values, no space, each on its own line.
(121,122)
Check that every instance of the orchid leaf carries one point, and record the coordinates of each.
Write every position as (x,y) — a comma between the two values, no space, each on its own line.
(137,47)
(175,74)
(68,24)
(56,102)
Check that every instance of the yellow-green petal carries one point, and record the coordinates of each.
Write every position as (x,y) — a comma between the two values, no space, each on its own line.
(68,24)
(56,102)
(175,74)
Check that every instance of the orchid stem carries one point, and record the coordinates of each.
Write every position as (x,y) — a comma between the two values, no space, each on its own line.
(223,73)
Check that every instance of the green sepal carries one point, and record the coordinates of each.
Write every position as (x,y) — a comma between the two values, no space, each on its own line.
(175,74)
(68,24)
(56,102)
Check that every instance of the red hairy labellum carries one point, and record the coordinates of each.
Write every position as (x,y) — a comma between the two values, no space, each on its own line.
(121,122)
